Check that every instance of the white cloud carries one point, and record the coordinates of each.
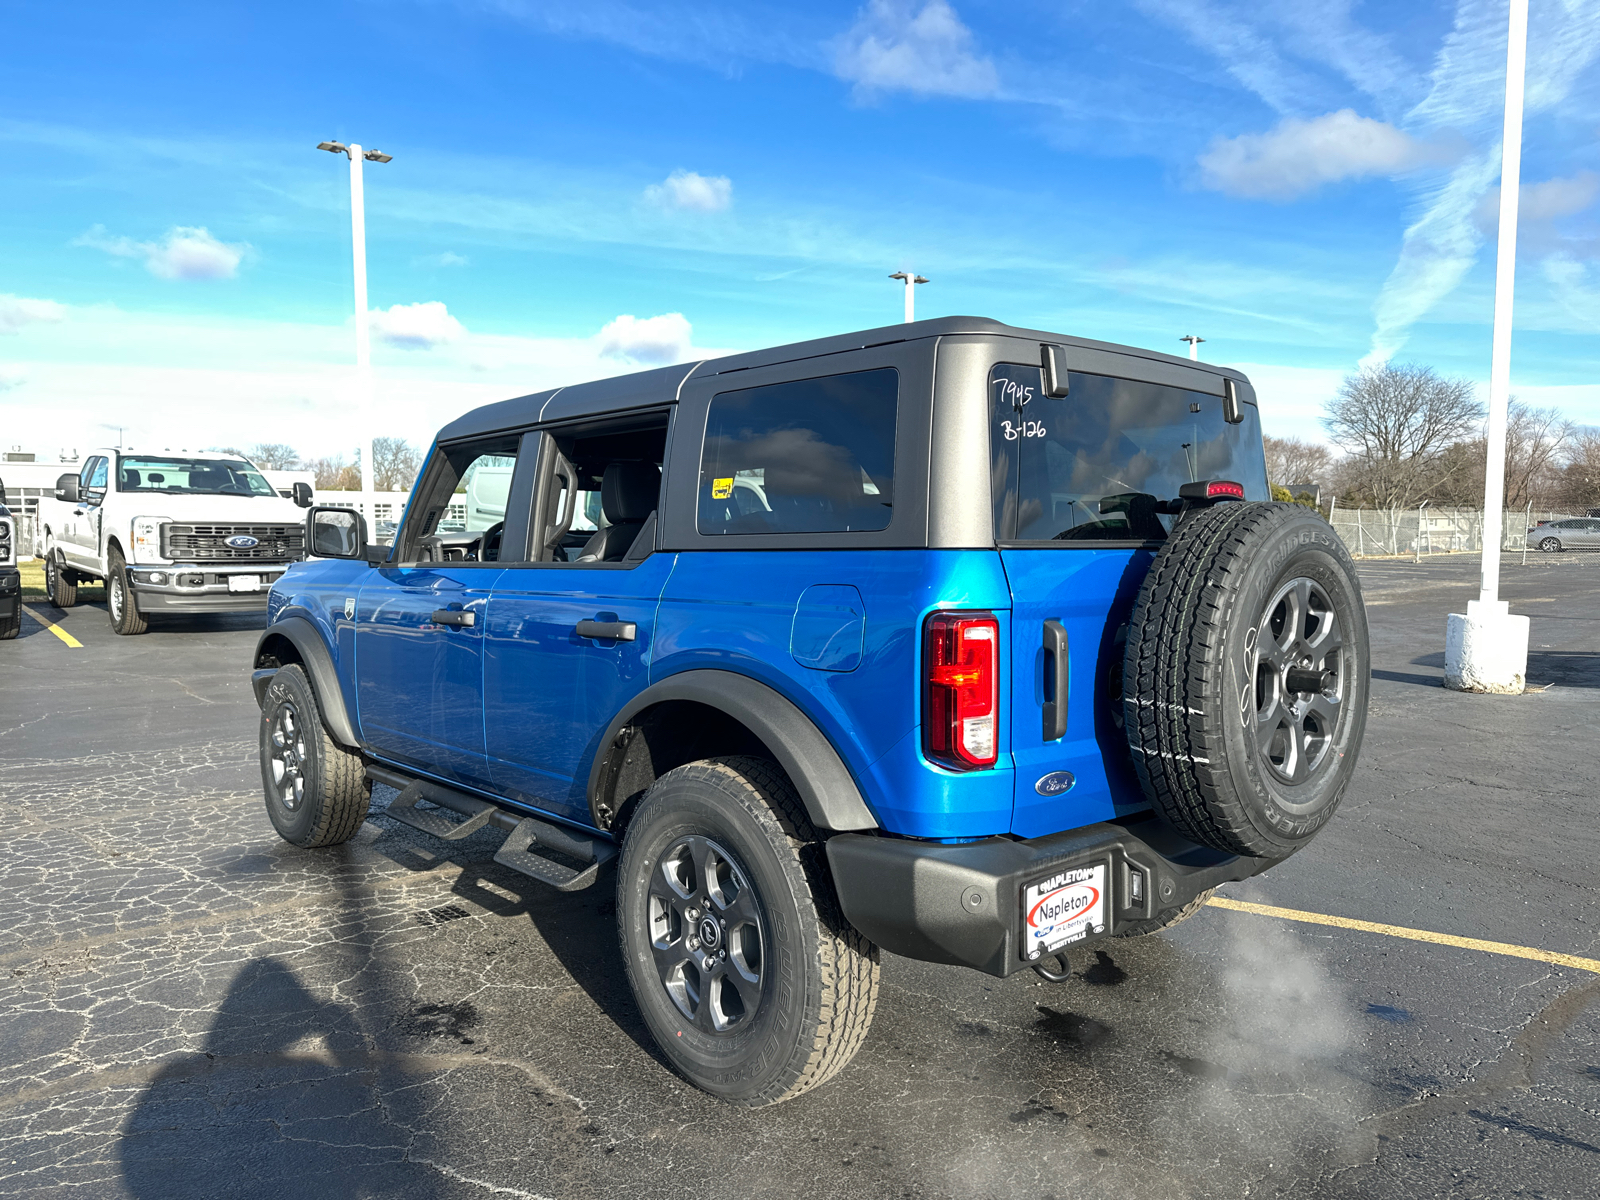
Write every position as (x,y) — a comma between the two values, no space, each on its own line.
(1538,202)
(688,190)
(655,340)
(187,252)
(420,326)
(893,46)
(447,259)
(1299,156)
(17,311)
(11,378)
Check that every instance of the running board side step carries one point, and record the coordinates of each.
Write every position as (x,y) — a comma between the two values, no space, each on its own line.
(524,834)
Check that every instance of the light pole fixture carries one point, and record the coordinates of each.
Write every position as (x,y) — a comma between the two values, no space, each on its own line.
(358,243)
(1194,346)
(911,281)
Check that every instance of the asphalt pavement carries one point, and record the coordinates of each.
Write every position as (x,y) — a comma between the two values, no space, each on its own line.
(189,1007)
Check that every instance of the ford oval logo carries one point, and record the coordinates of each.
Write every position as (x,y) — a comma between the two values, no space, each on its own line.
(1054,783)
(243,542)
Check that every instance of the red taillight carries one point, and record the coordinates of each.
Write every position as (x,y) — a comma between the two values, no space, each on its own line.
(1224,487)
(961,705)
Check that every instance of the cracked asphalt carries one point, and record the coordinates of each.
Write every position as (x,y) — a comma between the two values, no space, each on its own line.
(191,1007)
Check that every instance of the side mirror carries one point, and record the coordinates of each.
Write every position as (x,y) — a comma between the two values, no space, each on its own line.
(67,489)
(301,494)
(335,533)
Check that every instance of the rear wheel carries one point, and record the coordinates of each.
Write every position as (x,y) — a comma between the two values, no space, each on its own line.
(1551,545)
(59,589)
(751,981)
(317,791)
(121,605)
(1246,677)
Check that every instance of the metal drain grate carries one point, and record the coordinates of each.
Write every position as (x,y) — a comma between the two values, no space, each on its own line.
(439,916)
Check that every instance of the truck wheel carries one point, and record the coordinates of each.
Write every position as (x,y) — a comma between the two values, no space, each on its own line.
(750,979)
(1246,677)
(123,608)
(58,589)
(12,625)
(317,791)
(1165,920)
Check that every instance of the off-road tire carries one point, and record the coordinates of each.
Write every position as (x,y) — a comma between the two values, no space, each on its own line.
(1166,919)
(12,625)
(1551,545)
(121,605)
(1206,705)
(335,792)
(819,983)
(61,591)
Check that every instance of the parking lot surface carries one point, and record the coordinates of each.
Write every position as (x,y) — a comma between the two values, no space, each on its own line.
(191,1007)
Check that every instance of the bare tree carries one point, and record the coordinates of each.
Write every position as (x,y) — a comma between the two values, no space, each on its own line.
(334,475)
(1394,424)
(397,462)
(1579,486)
(1295,460)
(274,456)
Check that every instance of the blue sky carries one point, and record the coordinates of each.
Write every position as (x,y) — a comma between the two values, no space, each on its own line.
(582,190)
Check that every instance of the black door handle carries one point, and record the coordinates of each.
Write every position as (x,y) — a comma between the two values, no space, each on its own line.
(1055,681)
(618,631)
(455,616)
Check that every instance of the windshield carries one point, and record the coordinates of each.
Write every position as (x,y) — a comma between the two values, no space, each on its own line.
(1096,464)
(191,476)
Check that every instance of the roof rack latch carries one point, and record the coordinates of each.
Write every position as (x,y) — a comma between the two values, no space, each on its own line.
(1053,359)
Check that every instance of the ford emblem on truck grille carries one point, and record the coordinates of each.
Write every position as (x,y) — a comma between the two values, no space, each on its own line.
(243,542)
(1054,783)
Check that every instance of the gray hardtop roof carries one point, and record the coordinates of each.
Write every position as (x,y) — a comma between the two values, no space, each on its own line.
(645,388)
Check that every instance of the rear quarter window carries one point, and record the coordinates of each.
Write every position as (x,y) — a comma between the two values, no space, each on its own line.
(1094,465)
(808,456)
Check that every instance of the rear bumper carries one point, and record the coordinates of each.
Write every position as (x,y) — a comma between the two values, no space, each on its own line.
(201,588)
(963,904)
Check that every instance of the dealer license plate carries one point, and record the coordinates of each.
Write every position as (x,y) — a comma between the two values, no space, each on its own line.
(1065,908)
(244,583)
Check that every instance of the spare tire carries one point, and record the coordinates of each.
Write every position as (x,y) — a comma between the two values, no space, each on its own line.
(1246,676)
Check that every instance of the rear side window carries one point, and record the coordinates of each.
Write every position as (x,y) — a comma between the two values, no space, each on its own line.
(1097,464)
(812,456)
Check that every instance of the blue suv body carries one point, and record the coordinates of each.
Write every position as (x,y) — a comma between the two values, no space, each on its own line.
(883,581)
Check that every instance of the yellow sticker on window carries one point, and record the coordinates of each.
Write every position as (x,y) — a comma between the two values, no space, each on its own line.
(721,489)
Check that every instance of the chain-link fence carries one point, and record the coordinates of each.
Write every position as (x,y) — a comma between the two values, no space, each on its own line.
(1414,532)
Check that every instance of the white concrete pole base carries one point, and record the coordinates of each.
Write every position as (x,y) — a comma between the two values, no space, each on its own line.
(1486,650)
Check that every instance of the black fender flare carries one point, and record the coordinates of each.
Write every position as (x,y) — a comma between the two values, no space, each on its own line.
(826,787)
(319,669)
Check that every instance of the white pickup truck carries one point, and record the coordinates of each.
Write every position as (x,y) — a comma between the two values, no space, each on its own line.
(169,533)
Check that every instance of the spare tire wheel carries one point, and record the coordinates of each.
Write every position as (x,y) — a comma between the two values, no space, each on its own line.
(1246,677)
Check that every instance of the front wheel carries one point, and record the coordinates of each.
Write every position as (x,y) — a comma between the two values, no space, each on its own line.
(12,625)
(753,984)
(58,589)
(121,605)
(317,791)
(1551,545)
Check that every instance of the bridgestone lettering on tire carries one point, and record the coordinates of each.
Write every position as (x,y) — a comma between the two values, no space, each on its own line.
(317,791)
(776,993)
(1246,677)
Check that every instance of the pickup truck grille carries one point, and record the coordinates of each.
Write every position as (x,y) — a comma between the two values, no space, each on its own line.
(209,543)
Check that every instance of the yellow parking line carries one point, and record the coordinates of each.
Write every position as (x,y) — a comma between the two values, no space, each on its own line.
(1415,935)
(55,629)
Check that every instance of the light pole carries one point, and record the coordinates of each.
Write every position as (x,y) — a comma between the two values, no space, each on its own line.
(1194,346)
(1487,649)
(358,242)
(911,284)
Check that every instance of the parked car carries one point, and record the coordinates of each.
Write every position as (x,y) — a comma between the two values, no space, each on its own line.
(1573,533)
(10,577)
(970,642)
(169,533)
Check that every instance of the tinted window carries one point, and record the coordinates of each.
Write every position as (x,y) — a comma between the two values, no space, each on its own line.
(813,456)
(191,476)
(1096,464)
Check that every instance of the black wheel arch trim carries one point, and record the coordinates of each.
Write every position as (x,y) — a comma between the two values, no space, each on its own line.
(829,791)
(319,669)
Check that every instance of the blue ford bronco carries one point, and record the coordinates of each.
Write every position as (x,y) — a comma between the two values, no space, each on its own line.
(969,642)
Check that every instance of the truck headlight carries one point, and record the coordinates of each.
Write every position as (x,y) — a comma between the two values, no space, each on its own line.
(147,539)
(5,541)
